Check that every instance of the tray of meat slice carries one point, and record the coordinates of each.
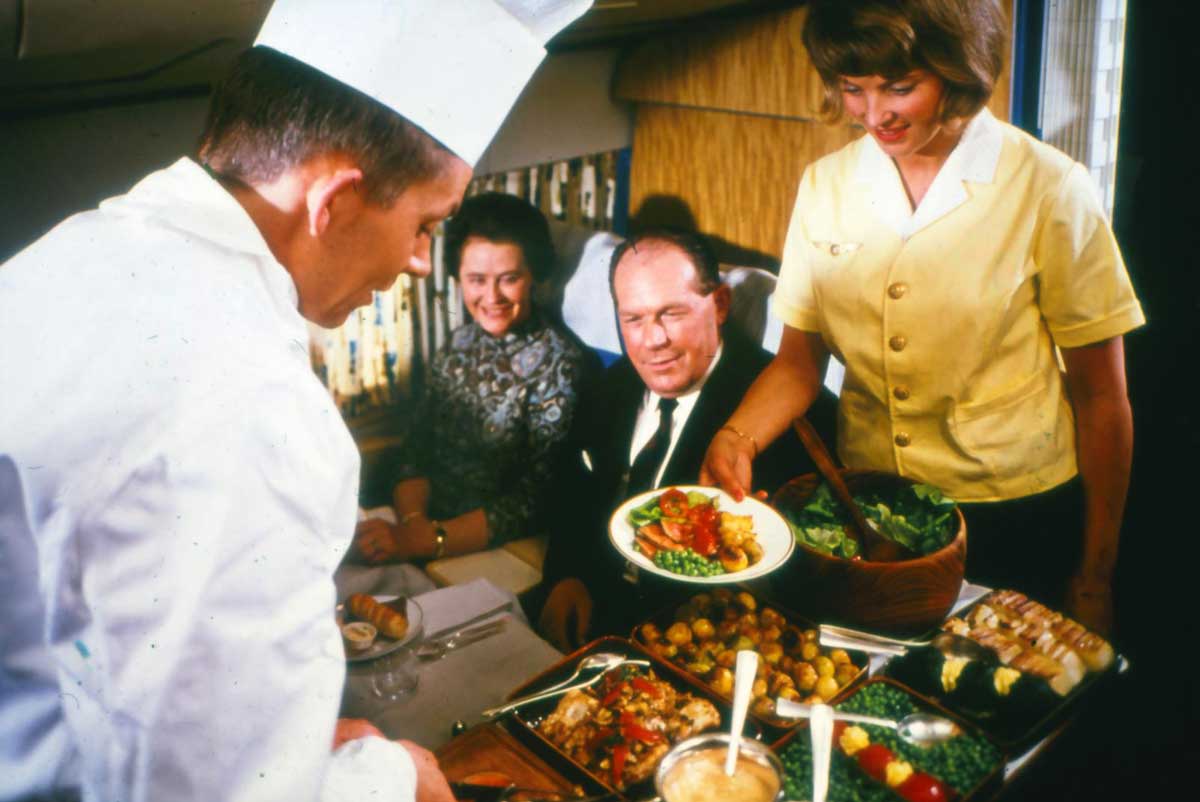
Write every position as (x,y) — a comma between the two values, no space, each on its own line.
(617,730)
(1041,664)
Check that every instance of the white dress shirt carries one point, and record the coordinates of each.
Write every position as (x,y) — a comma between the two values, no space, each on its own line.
(647,419)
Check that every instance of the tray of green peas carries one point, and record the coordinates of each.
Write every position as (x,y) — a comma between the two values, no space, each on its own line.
(873,764)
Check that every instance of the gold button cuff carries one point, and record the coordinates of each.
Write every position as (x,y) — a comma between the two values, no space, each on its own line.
(897,343)
(900,392)
(897,290)
(902,439)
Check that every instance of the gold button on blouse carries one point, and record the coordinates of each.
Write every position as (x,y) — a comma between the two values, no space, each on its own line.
(901,392)
(897,343)
(897,290)
(902,439)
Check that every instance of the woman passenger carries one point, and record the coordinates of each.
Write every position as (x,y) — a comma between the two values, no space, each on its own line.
(499,403)
(950,261)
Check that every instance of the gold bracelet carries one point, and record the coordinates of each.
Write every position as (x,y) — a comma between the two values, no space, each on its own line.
(439,536)
(742,435)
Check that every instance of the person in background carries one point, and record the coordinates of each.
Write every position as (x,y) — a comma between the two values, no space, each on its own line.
(176,492)
(950,260)
(500,400)
(646,425)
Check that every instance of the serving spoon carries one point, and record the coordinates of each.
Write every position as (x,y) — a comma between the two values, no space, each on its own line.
(872,545)
(919,729)
(948,643)
(743,683)
(555,690)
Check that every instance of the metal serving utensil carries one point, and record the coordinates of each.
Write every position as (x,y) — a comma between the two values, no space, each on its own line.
(947,643)
(493,712)
(918,729)
(438,647)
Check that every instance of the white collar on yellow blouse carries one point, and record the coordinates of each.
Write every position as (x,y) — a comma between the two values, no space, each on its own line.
(974,159)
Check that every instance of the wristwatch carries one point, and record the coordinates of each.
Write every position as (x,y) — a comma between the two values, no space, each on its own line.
(439,536)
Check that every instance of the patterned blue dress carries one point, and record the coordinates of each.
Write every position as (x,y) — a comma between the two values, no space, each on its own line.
(496,413)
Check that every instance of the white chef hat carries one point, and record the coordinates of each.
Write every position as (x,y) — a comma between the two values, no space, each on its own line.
(452,67)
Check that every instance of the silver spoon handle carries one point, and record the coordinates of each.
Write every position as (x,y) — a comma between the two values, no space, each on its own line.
(846,632)
(838,641)
(493,712)
(790,709)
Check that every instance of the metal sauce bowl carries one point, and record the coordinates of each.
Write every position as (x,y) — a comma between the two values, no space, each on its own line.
(717,744)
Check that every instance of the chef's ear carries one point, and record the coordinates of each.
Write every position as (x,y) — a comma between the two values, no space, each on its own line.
(324,191)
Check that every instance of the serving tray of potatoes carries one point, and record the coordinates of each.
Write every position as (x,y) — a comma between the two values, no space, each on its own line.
(702,636)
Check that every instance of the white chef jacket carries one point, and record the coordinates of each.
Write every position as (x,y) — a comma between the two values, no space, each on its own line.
(190,490)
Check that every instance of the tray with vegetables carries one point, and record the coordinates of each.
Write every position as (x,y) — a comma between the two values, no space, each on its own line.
(617,730)
(702,636)
(1041,663)
(873,764)
(700,535)
(917,516)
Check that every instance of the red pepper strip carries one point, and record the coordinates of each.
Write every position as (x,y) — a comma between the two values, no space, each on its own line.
(646,686)
(631,729)
(613,695)
(620,752)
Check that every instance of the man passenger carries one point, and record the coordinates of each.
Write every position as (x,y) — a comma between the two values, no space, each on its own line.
(646,425)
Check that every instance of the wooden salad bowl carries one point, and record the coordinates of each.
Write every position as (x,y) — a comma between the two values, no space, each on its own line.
(904,597)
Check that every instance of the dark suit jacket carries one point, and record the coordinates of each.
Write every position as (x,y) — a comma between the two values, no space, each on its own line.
(583,500)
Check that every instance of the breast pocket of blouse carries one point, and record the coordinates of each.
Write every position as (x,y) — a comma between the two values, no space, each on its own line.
(1005,431)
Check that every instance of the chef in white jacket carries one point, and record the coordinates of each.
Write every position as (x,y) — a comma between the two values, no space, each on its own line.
(176,487)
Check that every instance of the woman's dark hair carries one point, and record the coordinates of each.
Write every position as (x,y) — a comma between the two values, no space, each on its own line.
(963,42)
(693,245)
(272,113)
(498,217)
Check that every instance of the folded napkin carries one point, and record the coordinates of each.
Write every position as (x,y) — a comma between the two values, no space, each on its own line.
(477,600)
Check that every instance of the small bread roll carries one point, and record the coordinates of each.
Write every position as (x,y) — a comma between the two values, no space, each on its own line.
(386,620)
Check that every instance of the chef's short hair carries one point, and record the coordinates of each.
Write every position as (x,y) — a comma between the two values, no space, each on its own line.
(499,217)
(272,113)
(693,245)
(963,42)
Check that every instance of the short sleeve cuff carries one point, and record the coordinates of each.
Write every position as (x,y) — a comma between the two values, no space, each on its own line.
(370,768)
(795,316)
(1094,331)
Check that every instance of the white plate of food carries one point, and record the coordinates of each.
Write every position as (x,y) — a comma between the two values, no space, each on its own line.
(373,626)
(669,532)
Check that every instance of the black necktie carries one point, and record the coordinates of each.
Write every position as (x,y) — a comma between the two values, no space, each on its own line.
(649,459)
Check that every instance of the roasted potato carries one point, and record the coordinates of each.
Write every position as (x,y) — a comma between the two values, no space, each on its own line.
(703,629)
(770,652)
(763,706)
(679,633)
(808,652)
(839,656)
(771,618)
(823,665)
(727,658)
(721,680)
(778,681)
(771,633)
(844,673)
(650,632)
(826,688)
(746,601)
(805,676)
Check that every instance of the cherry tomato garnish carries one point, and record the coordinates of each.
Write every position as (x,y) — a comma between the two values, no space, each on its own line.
(921,787)
(646,686)
(673,503)
(873,760)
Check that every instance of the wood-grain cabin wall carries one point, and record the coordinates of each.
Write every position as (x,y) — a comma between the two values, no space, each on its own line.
(726,122)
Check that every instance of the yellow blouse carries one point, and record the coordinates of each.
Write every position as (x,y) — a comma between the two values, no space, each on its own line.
(947,318)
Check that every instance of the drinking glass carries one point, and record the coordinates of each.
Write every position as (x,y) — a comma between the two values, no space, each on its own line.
(394,675)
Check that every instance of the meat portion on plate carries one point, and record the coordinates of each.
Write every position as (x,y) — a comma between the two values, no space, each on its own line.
(621,728)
